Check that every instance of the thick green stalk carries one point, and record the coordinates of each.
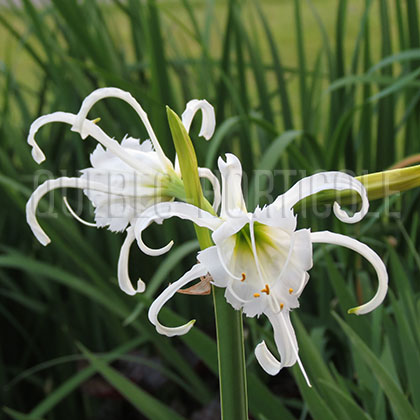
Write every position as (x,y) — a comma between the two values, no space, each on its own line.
(230,342)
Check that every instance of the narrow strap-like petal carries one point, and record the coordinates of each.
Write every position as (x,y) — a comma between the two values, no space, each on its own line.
(266,359)
(286,343)
(89,127)
(325,181)
(63,182)
(166,210)
(196,272)
(64,117)
(123,276)
(232,197)
(327,237)
(208,122)
(111,92)
(208,174)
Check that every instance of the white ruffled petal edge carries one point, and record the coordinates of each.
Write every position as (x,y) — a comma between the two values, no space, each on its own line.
(123,276)
(286,343)
(111,92)
(326,181)
(166,210)
(327,237)
(196,271)
(208,123)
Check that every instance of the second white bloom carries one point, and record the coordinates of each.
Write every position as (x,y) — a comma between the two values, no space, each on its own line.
(260,258)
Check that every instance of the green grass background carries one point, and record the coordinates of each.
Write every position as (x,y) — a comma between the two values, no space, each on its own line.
(295,86)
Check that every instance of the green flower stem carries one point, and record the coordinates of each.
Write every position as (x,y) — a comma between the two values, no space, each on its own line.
(231,357)
(229,328)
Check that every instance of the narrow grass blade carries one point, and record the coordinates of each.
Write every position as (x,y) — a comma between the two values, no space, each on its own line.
(143,401)
(396,397)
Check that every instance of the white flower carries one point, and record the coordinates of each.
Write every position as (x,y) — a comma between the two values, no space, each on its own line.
(125,178)
(260,258)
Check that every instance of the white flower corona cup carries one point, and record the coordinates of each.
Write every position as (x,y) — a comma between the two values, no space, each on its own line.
(261,258)
(125,178)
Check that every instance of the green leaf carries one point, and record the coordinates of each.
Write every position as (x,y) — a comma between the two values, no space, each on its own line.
(144,402)
(15,415)
(352,410)
(269,161)
(396,398)
(71,384)
(317,405)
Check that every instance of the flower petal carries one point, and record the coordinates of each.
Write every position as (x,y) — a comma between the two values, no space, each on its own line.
(63,182)
(148,162)
(110,92)
(208,122)
(232,198)
(225,242)
(136,194)
(166,210)
(196,271)
(266,359)
(123,276)
(89,128)
(236,301)
(325,181)
(274,216)
(210,258)
(208,174)
(240,296)
(327,237)
(229,228)
(285,338)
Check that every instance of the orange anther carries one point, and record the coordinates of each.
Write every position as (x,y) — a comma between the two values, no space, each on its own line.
(256,295)
(290,291)
(243,277)
(266,289)
(281,305)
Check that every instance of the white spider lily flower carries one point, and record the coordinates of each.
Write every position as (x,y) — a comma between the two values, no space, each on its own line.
(261,258)
(124,179)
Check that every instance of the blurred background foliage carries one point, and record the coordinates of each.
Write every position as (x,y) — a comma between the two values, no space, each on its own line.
(298,86)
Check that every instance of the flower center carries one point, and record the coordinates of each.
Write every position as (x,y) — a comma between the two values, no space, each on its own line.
(252,244)
(261,253)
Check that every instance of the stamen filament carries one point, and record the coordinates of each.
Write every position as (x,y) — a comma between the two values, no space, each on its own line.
(76,216)
(254,248)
